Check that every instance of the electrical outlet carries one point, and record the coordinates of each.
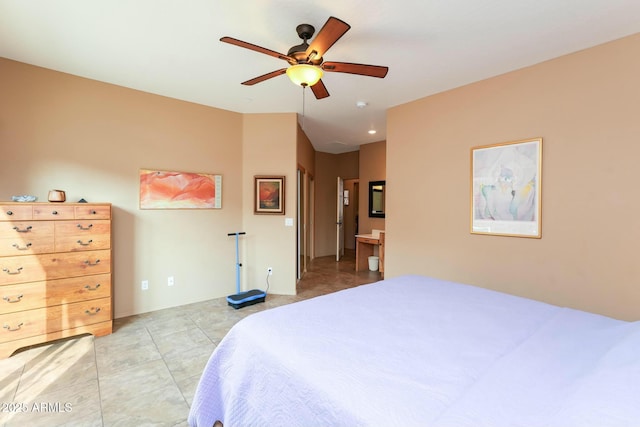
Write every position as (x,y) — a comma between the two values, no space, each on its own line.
(270,271)
(170,281)
(145,285)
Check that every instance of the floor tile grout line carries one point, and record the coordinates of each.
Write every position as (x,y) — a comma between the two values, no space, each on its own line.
(95,357)
(15,392)
(164,360)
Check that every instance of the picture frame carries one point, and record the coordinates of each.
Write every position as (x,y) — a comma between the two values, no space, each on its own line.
(269,195)
(506,189)
(161,189)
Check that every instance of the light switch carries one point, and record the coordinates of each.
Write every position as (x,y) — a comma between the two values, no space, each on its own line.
(288,222)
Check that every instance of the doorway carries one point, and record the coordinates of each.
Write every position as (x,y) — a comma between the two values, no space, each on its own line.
(304,220)
(351,206)
(340,219)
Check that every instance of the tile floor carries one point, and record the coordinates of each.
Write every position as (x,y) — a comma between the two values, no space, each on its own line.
(146,372)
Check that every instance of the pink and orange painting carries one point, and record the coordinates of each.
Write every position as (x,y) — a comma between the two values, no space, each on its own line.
(179,190)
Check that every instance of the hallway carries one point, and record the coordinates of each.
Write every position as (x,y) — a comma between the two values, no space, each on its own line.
(325,275)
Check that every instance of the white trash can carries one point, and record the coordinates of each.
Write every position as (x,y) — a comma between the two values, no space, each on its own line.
(373,263)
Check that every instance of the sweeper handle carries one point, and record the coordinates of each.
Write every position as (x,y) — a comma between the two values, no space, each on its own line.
(238,264)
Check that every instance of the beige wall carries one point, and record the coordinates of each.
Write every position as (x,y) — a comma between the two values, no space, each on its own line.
(373,167)
(328,168)
(270,149)
(585,106)
(90,139)
(306,153)
(306,156)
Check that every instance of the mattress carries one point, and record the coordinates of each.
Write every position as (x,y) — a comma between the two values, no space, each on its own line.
(418,351)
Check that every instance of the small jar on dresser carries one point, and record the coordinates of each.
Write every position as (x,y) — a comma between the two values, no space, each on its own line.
(55,272)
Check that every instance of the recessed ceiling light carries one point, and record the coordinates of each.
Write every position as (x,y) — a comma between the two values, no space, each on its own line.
(361,104)
(372,132)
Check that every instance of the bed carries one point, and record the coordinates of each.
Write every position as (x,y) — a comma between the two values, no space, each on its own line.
(417,351)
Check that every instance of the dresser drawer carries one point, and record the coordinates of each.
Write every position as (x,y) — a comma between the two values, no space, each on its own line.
(82,227)
(33,268)
(370,241)
(82,243)
(93,212)
(28,323)
(16,212)
(52,211)
(26,246)
(82,235)
(24,229)
(27,296)
(19,269)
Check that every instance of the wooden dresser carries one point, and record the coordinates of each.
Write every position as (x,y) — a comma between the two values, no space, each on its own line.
(55,272)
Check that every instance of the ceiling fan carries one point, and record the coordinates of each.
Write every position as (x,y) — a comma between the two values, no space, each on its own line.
(306,60)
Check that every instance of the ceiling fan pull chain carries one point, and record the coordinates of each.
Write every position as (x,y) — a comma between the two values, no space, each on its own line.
(303,105)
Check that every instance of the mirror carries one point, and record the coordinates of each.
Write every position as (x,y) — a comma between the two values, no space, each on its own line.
(376,199)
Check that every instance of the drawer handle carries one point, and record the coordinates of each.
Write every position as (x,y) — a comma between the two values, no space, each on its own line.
(93,311)
(94,213)
(95,288)
(9,213)
(21,248)
(18,271)
(11,301)
(81,243)
(81,227)
(10,329)
(89,263)
(54,213)
(24,230)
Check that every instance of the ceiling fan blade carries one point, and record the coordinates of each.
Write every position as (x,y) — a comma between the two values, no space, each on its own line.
(320,90)
(361,69)
(332,30)
(257,48)
(265,77)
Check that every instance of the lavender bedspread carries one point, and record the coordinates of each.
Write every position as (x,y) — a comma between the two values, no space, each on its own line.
(417,351)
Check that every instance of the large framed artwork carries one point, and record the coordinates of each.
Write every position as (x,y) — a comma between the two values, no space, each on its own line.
(269,195)
(506,189)
(179,190)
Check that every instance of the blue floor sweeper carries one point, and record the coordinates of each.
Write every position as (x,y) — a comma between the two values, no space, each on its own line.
(242,299)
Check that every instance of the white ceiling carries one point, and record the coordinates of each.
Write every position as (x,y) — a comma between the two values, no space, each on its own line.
(172,48)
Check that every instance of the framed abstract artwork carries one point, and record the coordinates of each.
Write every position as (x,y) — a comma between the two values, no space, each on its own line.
(506,189)
(179,190)
(269,195)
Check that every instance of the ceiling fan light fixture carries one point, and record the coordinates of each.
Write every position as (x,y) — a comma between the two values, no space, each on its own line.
(304,74)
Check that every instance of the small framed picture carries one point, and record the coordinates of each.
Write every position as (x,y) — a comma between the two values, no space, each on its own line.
(269,195)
